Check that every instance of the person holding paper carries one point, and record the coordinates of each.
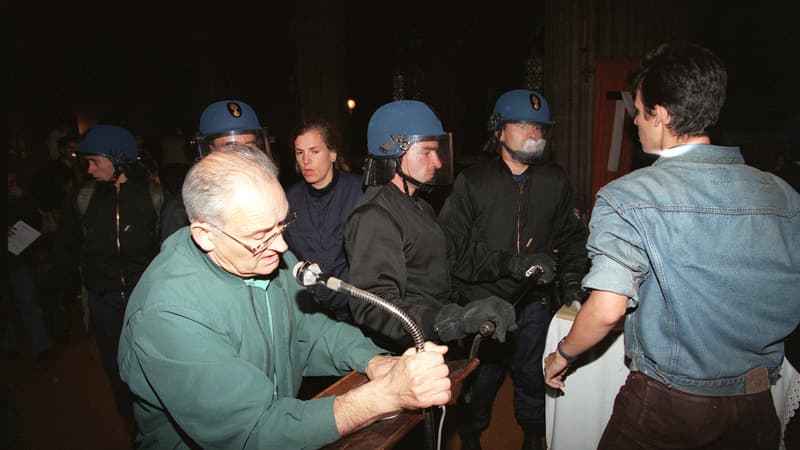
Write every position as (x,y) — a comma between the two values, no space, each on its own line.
(20,285)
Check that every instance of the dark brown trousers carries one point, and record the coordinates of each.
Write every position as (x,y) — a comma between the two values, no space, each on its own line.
(649,415)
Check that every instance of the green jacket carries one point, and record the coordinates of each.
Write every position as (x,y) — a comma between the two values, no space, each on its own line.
(213,364)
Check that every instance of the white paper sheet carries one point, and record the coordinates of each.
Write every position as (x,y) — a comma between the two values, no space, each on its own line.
(23,236)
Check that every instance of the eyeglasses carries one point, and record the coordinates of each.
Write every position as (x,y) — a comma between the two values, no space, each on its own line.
(255,251)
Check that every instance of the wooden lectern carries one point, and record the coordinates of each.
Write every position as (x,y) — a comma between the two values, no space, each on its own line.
(384,434)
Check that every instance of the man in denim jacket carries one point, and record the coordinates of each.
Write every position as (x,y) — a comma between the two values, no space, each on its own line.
(700,253)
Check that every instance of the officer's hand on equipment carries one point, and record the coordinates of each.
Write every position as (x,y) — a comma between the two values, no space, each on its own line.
(455,322)
(492,308)
(518,265)
(571,289)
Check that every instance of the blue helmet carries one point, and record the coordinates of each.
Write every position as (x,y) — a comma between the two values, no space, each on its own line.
(396,125)
(392,130)
(228,118)
(113,142)
(520,105)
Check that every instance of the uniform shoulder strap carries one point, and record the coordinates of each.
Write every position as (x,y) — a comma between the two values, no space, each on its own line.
(156,195)
(84,196)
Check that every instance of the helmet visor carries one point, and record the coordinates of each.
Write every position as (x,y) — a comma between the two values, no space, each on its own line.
(530,128)
(257,138)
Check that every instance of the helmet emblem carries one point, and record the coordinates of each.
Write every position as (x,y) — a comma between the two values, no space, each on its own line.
(234,109)
(393,142)
(536,102)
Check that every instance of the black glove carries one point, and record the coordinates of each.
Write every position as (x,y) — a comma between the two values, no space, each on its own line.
(518,265)
(455,322)
(571,290)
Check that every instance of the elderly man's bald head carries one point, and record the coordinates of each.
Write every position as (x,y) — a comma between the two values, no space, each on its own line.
(216,181)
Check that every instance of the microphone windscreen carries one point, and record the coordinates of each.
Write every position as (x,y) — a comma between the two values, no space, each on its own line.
(307,273)
(297,268)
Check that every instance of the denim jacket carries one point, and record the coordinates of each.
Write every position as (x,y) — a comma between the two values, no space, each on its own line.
(707,249)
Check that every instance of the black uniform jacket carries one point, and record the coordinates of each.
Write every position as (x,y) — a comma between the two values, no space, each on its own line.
(489,210)
(398,251)
(116,239)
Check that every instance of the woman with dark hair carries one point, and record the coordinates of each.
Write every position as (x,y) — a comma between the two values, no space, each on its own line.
(322,200)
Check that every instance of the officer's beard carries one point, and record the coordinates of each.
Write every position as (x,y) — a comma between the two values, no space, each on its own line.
(532,151)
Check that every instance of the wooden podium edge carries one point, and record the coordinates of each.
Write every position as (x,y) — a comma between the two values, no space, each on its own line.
(385,433)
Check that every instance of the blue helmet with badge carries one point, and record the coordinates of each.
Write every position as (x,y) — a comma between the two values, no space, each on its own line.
(392,130)
(231,119)
(520,105)
(227,117)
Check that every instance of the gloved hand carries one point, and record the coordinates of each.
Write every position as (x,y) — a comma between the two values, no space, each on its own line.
(455,322)
(571,290)
(519,264)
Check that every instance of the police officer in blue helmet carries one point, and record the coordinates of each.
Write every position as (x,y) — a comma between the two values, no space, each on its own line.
(222,124)
(109,150)
(229,122)
(406,143)
(520,205)
(397,249)
(109,229)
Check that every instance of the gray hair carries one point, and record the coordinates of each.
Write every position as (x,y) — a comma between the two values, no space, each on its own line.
(211,182)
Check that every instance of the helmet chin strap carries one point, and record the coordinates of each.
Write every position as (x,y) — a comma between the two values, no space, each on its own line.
(421,187)
(116,175)
(118,171)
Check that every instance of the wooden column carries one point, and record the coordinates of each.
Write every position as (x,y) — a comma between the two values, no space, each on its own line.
(577,32)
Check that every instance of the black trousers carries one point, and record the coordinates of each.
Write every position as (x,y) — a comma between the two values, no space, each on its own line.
(522,355)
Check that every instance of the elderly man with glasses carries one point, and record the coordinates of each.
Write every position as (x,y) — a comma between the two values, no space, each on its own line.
(218,334)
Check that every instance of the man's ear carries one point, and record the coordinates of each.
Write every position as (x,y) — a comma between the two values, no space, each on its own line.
(201,234)
(662,116)
(500,133)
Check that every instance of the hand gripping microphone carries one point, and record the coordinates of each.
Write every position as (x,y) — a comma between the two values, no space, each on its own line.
(308,273)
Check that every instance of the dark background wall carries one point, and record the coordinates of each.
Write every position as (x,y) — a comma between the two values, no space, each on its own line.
(153,67)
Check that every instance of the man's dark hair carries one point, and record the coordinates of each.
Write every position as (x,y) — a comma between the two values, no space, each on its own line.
(686,79)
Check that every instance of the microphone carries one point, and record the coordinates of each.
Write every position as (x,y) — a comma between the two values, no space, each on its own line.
(308,273)
(534,271)
(522,294)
